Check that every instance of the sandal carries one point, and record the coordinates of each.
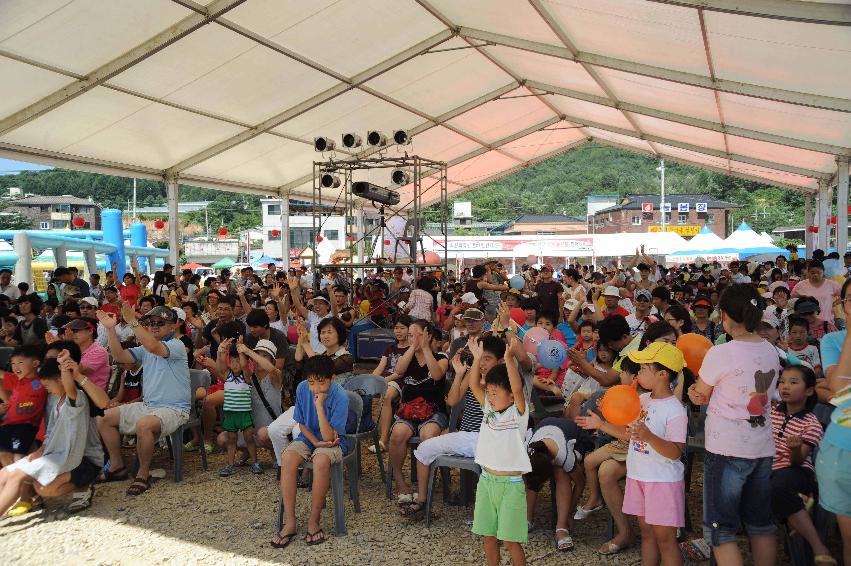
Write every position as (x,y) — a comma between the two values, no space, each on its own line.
(612,548)
(283,540)
(824,559)
(564,543)
(414,510)
(582,512)
(139,486)
(81,500)
(119,474)
(311,541)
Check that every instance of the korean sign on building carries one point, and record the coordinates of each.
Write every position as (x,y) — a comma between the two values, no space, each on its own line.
(681,230)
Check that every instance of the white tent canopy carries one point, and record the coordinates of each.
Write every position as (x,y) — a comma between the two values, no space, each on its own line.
(655,243)
(229,94)
(744,237)
(706,239)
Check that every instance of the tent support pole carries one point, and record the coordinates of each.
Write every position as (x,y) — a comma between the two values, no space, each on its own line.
(841,204)
(821,219)
(285,231)
(808,221)
(173,242)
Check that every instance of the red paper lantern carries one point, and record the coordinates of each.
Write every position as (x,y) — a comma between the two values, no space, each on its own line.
(849,210)
(276,233)
(350,238)
(386,242)
(159,224)
(319,239)
(814,229)
(78,221)
(223,231)
(833,220)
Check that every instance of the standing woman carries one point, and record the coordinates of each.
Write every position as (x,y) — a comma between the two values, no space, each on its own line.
(31,327)
(832,470)
(738,380)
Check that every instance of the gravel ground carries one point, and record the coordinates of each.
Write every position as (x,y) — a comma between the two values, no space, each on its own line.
(207,519)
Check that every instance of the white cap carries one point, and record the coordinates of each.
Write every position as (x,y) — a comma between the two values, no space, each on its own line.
(570,305)
(181,314)
(267,347)
(469,298)
(612,291)
(90,301)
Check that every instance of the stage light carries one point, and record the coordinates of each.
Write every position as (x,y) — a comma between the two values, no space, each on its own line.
(367,190)
(329,181)
(352,140)
(376,138)
(323,143)
(401,137)
(400,177)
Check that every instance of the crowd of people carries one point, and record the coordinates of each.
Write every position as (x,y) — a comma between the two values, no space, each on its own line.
(100,368)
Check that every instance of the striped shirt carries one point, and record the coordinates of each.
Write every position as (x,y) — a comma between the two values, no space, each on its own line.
(237,394)
(803,424)
(472,415)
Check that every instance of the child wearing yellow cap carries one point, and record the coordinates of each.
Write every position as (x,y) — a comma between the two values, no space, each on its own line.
(655,490)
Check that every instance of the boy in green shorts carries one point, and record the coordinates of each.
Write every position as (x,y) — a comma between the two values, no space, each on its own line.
(500,513)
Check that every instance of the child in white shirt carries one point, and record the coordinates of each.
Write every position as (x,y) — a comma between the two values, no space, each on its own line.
(500,513)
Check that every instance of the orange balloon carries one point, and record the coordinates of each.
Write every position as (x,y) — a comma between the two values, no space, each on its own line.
(694,348)
(620,405)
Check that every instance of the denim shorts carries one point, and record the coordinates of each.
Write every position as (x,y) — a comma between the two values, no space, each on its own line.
(438,418)
(736,491)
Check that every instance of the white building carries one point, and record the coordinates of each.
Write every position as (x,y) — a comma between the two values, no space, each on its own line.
(301,230)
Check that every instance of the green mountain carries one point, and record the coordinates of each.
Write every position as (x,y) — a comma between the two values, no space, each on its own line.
(559,185)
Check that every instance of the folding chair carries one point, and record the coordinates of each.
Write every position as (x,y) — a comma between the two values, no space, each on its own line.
(197,378)
(375,386)
(350,460)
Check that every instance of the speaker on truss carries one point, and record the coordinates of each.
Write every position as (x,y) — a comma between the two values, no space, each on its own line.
(400,177)
(329,180)
(401,137)
(376,138)
(368,191)
(352,140)
(323,143)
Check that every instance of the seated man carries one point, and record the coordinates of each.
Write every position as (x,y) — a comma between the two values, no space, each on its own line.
(321,410)
(165,390)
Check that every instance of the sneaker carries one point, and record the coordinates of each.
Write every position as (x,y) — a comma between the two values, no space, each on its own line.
(227,471)
(20,508)
(191,446)
(255,468)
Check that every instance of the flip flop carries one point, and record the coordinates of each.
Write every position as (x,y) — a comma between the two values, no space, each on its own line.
(564,543)
(283,540)
(414,510)
(582,513)
(310,541)
(139,486)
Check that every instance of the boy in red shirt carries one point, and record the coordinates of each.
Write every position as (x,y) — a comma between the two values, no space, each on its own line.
(25,407)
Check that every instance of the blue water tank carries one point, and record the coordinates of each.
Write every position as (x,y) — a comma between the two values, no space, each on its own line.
(113,233)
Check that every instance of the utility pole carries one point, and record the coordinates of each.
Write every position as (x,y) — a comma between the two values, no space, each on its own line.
(661,169)
(134,198)
(207,222)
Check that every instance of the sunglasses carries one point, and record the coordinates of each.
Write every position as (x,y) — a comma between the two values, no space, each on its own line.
(87,308)
(153,324)
(75,330)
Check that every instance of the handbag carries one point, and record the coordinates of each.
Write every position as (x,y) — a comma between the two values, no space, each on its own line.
(416,410)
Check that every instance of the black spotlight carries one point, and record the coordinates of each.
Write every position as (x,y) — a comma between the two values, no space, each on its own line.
(401,137)
(329,180)
(351,140)
(375,193)
(323,143)
(400,177)
(376,138)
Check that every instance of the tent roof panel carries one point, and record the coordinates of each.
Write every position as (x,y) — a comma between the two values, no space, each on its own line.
(544,68)
(85,34)
(438,82)
(658,34)
(441,144)
(354,111)
(665,95)
(591,111)
(39,83)
(680,132)
(789,155)
(272,17)
(808,52)
(543,141)
(490,15)
(774,175)
(479,167)
(789,120)
(502,117)
(630,142)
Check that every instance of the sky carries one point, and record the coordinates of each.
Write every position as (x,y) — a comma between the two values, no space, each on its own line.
(10,167)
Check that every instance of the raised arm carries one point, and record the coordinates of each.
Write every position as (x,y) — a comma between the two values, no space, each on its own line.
(436,368)
(405,360)
(296,298)
(460,383)
(119,354)
(475,380)
(240,292)
(516,382)
(145,338)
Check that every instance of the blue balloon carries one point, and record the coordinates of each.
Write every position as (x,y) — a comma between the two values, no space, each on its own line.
(551,354)
(517,282)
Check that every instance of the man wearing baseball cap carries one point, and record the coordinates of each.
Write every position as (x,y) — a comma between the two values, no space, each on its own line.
(165,390)
(642,301)
(611,298)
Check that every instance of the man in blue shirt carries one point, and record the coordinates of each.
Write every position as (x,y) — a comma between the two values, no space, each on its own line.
(165,389)
(321,410)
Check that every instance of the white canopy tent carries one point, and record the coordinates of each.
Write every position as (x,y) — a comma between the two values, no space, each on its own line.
(229,94)
(706,239)
(745,237)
